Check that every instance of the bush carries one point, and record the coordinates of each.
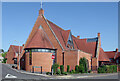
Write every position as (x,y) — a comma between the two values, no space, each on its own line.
(55,66)
(62,69)
(81,68)
(84,62)
(72,71)
(114,68)
(47,73)
(68,68)
(107,69)
(58,72)
(4,59)
(77,69)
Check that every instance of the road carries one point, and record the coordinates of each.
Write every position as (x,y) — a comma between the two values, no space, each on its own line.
(7,70)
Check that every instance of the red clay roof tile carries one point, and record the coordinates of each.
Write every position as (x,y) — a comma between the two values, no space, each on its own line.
(110,54)
(39,40)
(103,56)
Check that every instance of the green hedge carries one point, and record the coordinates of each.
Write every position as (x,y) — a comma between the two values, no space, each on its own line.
(55,66)
(68,68)
(62,69)
(81,68)
(77,69)
(107,69)
(83,61)
(72,71)
(58,71)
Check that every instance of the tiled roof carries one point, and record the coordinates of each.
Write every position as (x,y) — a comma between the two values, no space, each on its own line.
(60,33)
(15,50)
(65,35)
(110,54)
(81,44)
(103,56)
(39,40)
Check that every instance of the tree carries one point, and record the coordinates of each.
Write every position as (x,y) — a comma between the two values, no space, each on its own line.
(83,61)
(2,50)
(4,59)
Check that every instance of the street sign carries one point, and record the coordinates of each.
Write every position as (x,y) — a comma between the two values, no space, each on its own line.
(53,56)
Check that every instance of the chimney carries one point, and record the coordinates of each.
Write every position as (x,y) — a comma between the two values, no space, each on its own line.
(98,34)
(23,45)
(78,37)
(41,12)
(116,49)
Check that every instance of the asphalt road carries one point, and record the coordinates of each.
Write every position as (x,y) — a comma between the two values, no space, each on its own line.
(7,70)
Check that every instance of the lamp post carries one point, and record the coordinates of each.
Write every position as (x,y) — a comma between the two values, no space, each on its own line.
(19,52)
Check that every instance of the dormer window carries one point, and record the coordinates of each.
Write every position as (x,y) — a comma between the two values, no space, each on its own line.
(70,42)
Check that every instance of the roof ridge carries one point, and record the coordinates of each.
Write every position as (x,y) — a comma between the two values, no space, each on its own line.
(53,32)
(56,25)
(63,38)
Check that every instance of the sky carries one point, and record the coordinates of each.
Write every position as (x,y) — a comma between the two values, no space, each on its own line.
(85,19)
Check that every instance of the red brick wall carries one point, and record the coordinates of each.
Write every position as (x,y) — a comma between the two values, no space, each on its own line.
(72,58)
(87,56)
(10,56)
(94,63)
(39,59)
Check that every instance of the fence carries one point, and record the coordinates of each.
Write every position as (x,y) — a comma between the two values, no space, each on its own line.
(33,68)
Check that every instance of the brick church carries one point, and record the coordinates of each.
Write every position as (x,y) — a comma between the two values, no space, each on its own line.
(47,39)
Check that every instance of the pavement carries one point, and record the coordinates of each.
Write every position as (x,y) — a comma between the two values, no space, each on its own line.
(20,74)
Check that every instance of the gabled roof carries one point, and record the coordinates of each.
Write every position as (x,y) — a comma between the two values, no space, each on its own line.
(40,40)
(103,56)
(86,45)
(112,54)
(65,35)
(82,44)
(15,49)
(60,33)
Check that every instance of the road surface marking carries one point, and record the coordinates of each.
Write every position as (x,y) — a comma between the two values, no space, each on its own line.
(10,76)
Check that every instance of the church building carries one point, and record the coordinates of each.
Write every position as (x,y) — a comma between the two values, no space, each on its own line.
(48,40)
